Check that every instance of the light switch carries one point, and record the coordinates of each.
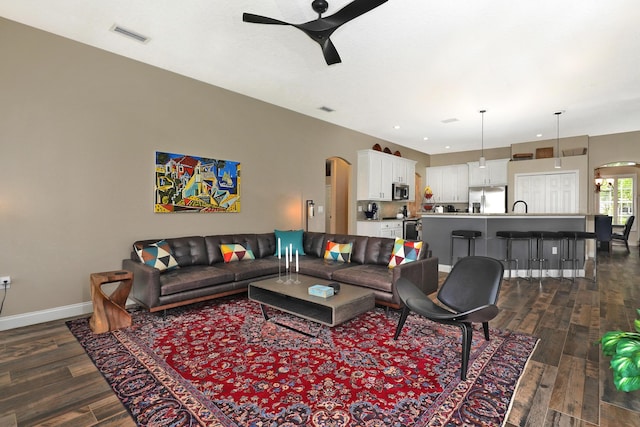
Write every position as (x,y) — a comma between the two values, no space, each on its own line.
(320,209)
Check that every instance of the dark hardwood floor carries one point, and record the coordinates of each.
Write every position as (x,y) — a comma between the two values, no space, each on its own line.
(47,379)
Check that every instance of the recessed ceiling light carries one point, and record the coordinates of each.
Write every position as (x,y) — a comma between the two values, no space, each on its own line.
(396,127)
(539,135)
(447,146)
(426,138)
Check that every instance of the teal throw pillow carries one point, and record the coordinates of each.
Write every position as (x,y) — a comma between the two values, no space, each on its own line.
(289,239)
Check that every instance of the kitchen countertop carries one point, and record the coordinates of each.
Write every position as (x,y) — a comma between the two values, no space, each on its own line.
(506,215)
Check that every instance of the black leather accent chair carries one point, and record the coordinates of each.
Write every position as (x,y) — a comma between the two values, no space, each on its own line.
(469,292)
(624,236)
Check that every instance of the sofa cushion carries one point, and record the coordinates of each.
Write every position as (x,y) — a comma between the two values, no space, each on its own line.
(340,252)
(404,251)
(379,251)
(189,250)
(378,277)
(212,243)
(192,277)
(320,267)
(236,252)
(157,255)
(252,268)
(314,243)
(289,239)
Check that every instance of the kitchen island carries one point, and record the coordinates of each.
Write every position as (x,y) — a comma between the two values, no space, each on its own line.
(437,228)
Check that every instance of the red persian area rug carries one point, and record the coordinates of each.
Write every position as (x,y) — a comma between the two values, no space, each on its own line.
(222,364)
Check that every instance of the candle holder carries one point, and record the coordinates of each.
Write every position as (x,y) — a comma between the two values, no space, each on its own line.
(288,274)
(297,281)
(279,270)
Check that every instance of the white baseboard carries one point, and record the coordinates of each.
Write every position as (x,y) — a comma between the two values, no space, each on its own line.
(56,313)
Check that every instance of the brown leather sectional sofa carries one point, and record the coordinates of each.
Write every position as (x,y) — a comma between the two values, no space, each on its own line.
(203,274)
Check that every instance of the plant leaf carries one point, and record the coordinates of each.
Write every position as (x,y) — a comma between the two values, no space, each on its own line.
(609,342)
(626,384)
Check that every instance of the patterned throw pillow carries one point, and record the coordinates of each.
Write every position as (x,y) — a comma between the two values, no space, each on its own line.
(236,252)
(340,252)
(157,255)
(404,251)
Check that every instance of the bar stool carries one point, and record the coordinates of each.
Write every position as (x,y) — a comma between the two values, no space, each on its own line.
(510,237)
(470,236)
(572,238)
(540,237)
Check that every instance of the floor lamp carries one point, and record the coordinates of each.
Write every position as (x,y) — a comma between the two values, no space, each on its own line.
(311,212)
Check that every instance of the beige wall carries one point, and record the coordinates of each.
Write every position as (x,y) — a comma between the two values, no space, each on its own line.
(79,128)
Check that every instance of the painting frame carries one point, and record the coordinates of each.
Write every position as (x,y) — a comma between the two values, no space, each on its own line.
(187,183)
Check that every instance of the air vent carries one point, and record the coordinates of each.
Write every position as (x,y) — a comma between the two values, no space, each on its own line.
(326,109)
(451,120)
(128,33)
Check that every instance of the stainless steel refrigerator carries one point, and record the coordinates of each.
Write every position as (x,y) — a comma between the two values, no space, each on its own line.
(488,199)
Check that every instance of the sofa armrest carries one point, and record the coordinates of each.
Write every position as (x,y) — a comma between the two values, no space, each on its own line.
(146,282)
(423,273)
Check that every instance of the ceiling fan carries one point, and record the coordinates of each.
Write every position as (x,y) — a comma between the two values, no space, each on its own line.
(321,29)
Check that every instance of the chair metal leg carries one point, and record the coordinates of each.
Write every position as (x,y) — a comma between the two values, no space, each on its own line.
(403,318)
(467,339)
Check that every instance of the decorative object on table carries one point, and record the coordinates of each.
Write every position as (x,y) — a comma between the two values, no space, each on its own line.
(624,349)
(428,195)
(162,369)
(185,183)
(321,291)
(321,29)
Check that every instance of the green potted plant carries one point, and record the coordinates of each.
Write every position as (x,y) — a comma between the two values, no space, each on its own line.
(624,349)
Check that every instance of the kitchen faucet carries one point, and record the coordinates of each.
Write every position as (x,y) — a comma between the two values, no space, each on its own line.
(526,207)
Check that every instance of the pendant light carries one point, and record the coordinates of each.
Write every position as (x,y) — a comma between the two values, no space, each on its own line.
(558,160)
(483,162)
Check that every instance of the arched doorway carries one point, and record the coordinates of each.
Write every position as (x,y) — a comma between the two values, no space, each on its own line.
(337,195)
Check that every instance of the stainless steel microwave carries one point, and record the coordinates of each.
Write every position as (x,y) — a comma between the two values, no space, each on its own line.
(400,191)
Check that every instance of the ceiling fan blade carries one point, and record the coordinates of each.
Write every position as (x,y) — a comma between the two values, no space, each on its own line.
(330,52)
(257,19)
(352,11)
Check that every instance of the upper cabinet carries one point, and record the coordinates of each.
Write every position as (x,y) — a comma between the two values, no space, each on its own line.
(378,171)
(449,183)
(495,173)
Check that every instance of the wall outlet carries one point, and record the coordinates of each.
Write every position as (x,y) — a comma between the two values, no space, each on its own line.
(5,282)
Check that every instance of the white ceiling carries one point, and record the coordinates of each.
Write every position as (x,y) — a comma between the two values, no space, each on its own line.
(411,63)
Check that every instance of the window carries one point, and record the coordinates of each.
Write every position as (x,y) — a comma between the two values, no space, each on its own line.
(616,197)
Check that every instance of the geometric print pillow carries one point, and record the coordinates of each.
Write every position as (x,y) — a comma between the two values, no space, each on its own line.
(235,252)
(340,252)
(157,255)
(404,251)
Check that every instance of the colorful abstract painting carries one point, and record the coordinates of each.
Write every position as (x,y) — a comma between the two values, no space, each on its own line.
(196,184)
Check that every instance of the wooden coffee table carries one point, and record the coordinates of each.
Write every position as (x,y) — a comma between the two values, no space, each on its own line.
(294,298)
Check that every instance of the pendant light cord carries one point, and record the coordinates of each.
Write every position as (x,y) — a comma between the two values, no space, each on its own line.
(482,134)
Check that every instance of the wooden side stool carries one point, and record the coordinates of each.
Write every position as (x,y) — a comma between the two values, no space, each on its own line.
(109,312)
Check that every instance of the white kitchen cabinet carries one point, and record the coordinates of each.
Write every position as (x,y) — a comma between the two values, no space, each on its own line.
(495,173)
(449,183)
(387,228)
(548,193)
(378,171)
(374,177)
